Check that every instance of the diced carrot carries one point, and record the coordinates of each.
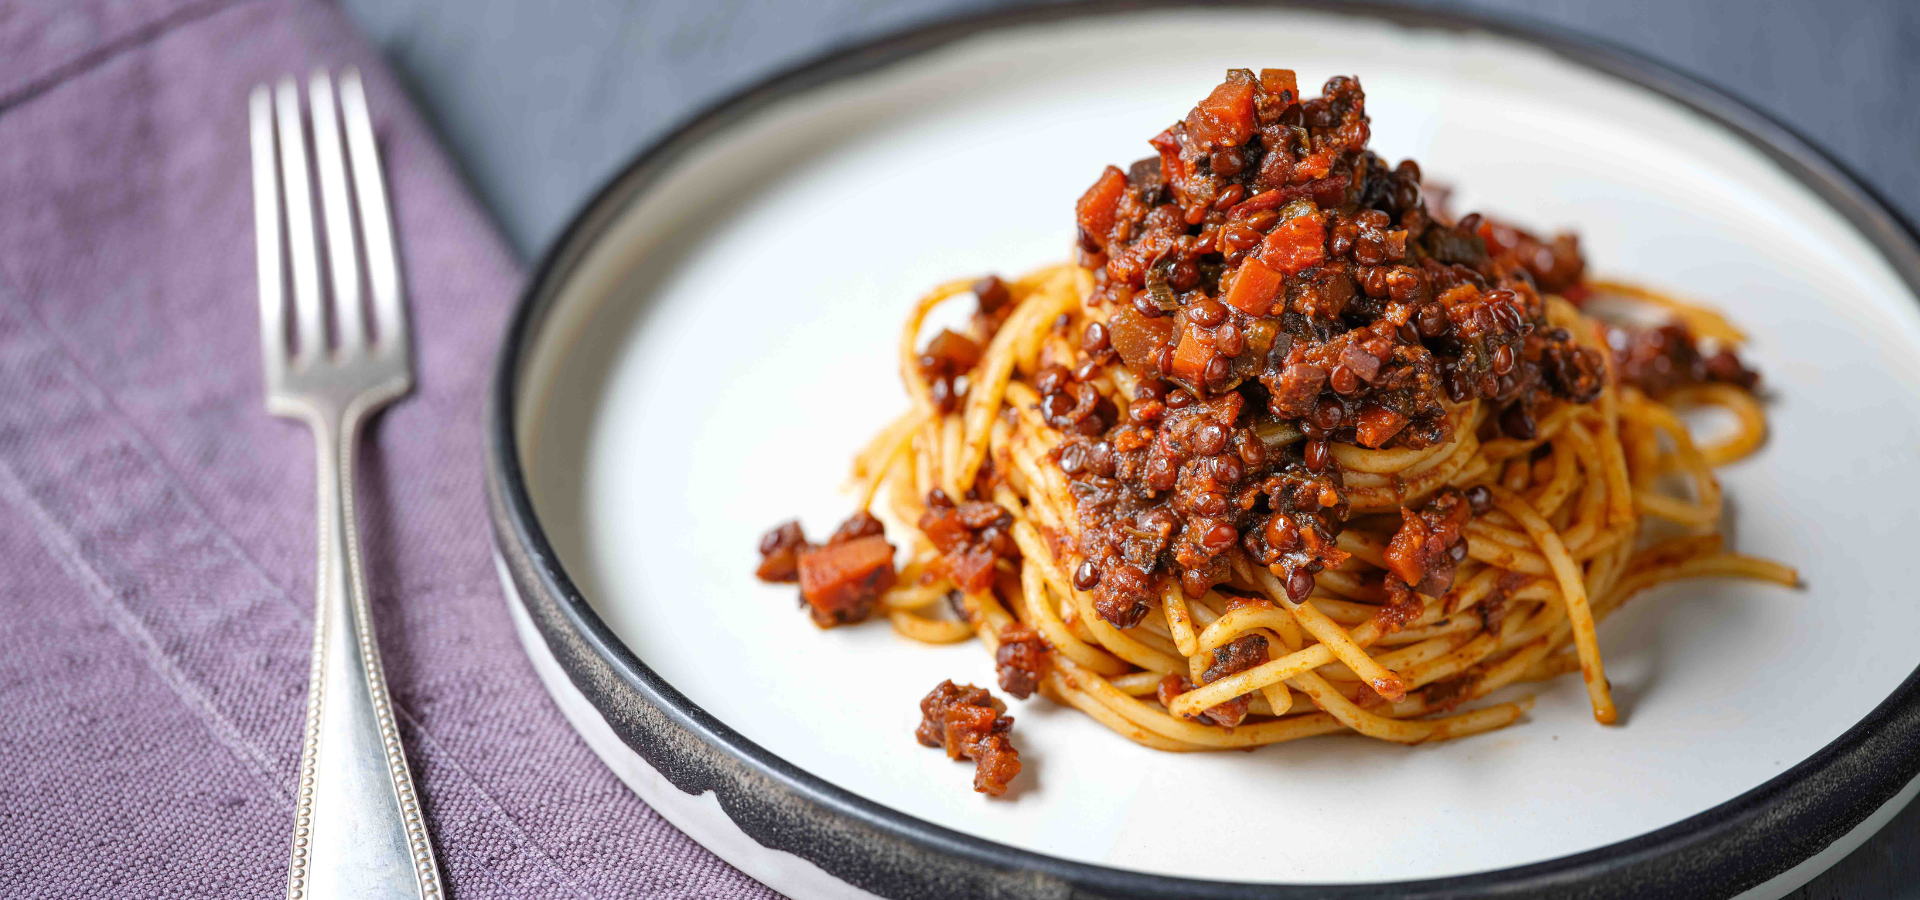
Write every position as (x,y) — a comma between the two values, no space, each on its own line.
(944,530)
(1296,244)
(1254,288)
(971,569)
(1096,208)
(1191,357)
(1330,191)
(1403,553)
(1138,339)
(1225,118)
(1277,81)
(1458,294)
(953,349)
(1377,425)
(1315,165)
(845,578)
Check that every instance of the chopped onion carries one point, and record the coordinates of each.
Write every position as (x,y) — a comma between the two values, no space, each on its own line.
(1160,293)
(1276,433)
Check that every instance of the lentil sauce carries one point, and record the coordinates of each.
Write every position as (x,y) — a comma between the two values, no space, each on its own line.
(1279,287)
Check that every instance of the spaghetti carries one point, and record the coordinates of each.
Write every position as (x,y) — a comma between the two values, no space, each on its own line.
(1286,452)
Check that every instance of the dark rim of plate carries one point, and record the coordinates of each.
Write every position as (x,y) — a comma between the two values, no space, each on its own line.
(1719,852)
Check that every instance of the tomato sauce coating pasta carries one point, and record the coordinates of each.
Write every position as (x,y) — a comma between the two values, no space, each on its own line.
(1288,450)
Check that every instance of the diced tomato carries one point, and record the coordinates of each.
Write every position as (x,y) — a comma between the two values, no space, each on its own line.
(1172,170)
(1096,208)
(1500,238)
(841,581)
(1225,118)
(1278,81)
(1254,288)
(1191,357)
(1296,244)
(1273,199)
(1175,171)
(1327,192)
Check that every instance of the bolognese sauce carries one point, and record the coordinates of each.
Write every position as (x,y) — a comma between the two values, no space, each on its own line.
(970,723)
(841,580)
(1280,288)
(1280,367)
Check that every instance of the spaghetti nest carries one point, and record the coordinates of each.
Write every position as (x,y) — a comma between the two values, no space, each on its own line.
(1322,457)
(1548,535)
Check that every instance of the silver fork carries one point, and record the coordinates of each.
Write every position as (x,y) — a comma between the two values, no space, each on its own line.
(357,828)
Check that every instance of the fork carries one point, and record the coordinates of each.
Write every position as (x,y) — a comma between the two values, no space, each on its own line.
(357,829)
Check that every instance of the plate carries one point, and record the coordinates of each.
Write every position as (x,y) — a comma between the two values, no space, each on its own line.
(700,354)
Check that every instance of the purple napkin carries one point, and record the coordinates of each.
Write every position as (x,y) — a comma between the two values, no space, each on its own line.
(156,526)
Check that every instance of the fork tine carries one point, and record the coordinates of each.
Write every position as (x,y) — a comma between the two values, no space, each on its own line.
(383,272)
(266,230)
(349,322)
(309,318)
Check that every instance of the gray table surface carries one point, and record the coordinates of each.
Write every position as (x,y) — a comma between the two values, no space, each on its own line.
(541,101)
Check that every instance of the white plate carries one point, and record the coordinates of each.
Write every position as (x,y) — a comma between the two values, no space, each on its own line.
(725,345)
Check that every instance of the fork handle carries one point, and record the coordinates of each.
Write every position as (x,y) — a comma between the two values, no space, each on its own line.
(358,831)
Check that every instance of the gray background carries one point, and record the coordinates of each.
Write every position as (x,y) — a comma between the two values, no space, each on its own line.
(540,101)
